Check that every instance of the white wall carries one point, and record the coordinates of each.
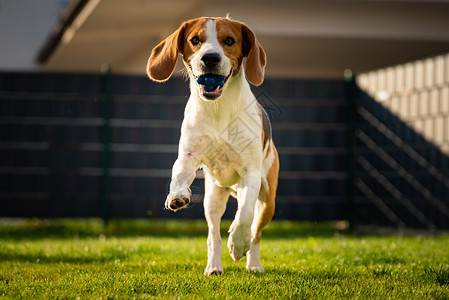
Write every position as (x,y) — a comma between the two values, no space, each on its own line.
(24,27)
(418,93)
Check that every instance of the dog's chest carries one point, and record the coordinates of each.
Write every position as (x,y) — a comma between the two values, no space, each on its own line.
(226,141)
(221,160)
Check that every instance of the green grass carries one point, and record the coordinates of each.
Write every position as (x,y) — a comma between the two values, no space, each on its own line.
(150,259)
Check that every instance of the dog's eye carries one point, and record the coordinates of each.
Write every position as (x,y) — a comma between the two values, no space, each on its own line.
(229,41)
(195,40)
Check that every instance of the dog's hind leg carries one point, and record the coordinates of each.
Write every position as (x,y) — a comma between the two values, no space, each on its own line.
(215,200)
(264,212)
(239,241)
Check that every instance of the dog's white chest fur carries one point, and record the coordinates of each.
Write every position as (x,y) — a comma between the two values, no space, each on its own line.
(221,165)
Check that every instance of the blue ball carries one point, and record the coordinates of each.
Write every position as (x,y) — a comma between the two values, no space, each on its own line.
(219,78)
(210,81)
(209,88)
(200,79)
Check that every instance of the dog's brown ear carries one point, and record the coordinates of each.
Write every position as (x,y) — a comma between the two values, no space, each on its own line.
(255,57)
(162,61)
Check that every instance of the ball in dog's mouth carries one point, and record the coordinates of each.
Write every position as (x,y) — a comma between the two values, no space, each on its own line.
(211,85)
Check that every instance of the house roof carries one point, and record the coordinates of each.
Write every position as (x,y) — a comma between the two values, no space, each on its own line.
(301,38)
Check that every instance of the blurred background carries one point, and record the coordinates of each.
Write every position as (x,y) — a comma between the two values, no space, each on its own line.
(357,91)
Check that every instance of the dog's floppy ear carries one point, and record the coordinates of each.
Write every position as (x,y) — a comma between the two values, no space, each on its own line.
(162,61)
(255,57)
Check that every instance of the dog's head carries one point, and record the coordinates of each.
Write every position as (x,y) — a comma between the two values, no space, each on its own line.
(213,50)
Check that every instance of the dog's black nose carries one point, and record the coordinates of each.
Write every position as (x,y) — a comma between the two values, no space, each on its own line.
(211,59)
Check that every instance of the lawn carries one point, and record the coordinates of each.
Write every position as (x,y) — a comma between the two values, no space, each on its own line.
(157,259)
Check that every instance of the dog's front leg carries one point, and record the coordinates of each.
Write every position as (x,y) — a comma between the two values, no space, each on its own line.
(183,174)
(239,240)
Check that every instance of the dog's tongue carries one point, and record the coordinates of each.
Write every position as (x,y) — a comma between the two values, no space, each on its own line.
(211,81)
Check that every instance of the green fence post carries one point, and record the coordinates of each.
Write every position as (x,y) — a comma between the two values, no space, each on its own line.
(350,85)
(105,195)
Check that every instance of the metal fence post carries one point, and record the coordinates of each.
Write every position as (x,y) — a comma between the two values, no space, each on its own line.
(350,85)
(105,193)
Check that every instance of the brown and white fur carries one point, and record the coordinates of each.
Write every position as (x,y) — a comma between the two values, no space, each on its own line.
(226,132)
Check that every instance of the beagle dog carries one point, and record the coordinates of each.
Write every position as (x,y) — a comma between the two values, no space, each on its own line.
(225,131)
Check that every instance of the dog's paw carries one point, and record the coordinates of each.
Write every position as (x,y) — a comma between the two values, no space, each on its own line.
(211,270)
(176,201)
(239,241)
(255,268)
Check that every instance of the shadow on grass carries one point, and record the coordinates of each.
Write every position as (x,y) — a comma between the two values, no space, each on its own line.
(41,258)
(84,228)
(18,229)
(439,275)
